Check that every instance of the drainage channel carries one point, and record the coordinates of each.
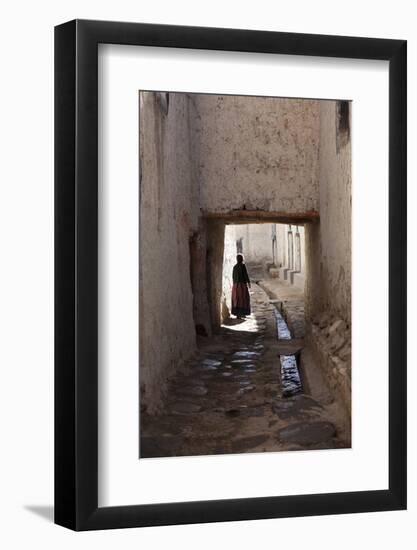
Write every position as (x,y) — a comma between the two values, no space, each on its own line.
(290,376)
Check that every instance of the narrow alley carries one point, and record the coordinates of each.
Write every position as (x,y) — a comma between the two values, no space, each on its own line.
(267,179)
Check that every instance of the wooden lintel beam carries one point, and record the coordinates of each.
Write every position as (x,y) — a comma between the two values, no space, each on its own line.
(262,216)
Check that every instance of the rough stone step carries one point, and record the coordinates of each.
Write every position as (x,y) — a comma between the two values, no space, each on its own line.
(307,433)
(246,443)
(290,347)
(295,407)
(184,407)
(193,391)
(158,446)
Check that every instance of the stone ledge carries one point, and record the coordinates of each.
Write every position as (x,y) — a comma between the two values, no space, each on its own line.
(333,356)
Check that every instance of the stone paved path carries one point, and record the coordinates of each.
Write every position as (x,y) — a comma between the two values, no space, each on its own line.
(228,399)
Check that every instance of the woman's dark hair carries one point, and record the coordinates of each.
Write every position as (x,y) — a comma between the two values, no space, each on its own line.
(239,258)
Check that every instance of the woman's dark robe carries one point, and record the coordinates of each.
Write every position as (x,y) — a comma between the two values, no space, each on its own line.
(240,293)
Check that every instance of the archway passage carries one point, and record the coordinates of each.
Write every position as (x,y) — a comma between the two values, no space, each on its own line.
(231,396)
(269,238)
(273,251)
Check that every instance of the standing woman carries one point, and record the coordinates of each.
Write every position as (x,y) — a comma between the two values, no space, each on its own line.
(240,293)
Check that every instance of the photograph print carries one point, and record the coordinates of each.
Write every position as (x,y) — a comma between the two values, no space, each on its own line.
(244,274)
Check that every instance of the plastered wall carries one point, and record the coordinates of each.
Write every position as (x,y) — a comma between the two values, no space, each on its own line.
(328,244)
(328,255)
(257,153)
(168,218)
(256,241)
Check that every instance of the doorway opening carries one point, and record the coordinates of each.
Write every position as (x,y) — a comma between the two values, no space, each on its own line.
(274,258)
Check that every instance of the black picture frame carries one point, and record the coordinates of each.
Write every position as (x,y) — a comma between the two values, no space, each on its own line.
(76,272)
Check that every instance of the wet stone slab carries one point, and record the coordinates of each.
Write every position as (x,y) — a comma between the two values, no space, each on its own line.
(290,377)
(237,363)
(283,331)
(245,355)
(253,411)
(240,375)
(197,391)
(209,376)
(296,407)
(307,433)
(184,407)
(245,389)
(210,363)
(156,446)
(249,411)
(247,443)
(205,369)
